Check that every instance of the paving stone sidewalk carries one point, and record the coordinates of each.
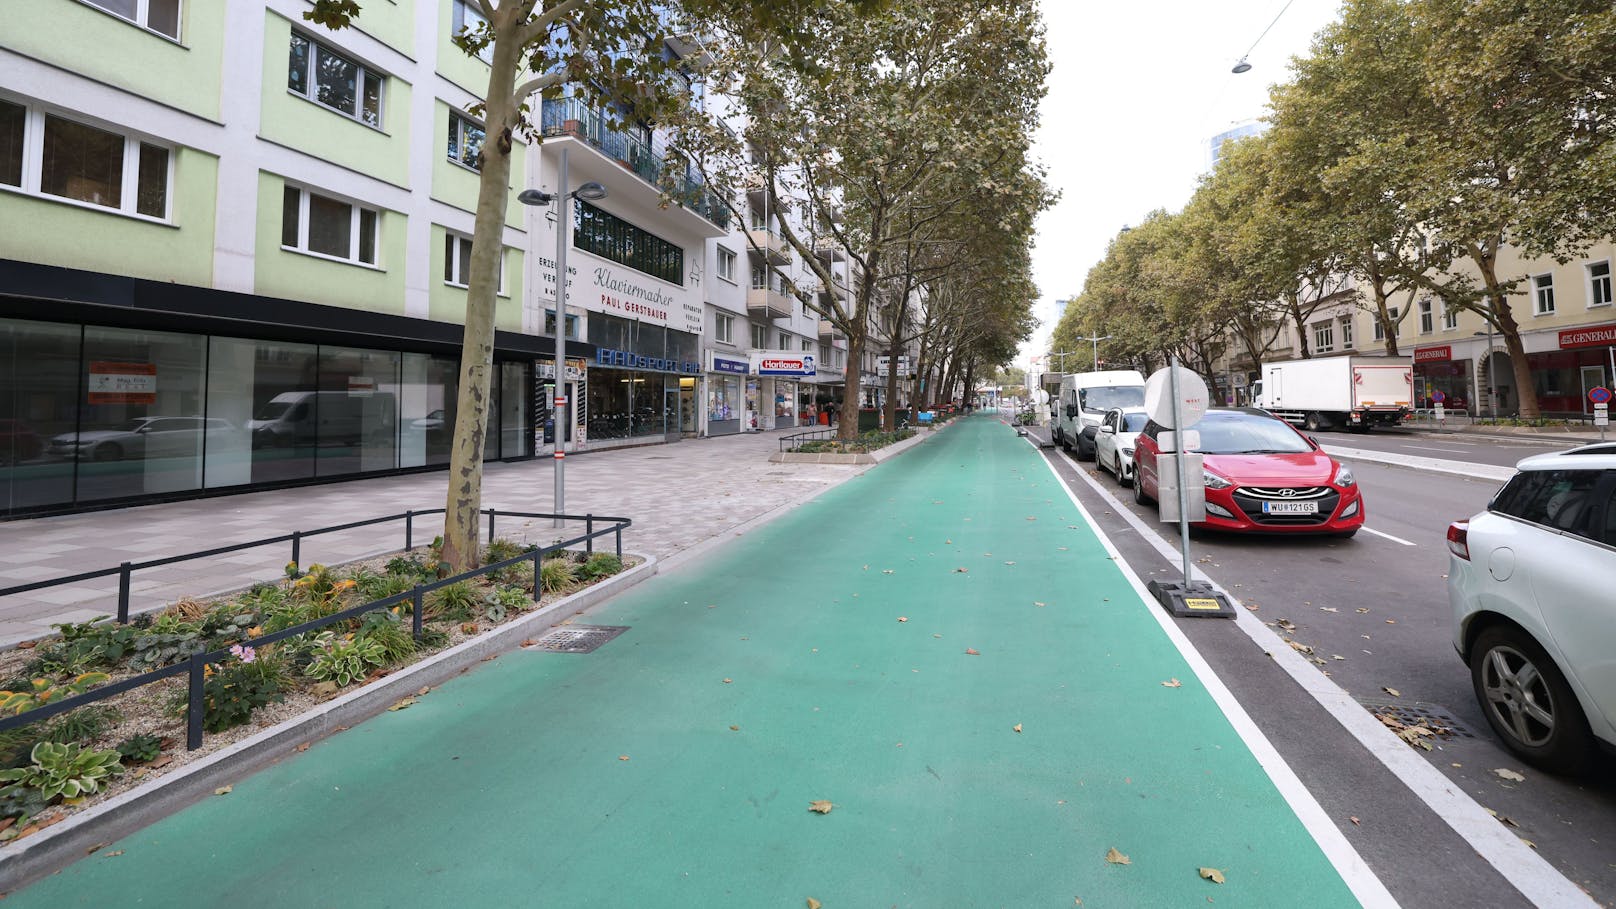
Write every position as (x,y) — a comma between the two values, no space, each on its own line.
(678,495)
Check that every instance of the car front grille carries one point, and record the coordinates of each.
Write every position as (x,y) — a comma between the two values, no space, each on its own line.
(1249,499)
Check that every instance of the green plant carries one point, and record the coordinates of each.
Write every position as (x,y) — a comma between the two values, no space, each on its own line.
(455,603)
(141,749)
(21,802)
(233,691)
(16,743)
(600,565)
(41,692)
(66,771)
(384,627)
(500,550)
(556,575)
(346,659)
(411,567)
(163,648)
(373,586)
(73,631)
(82,724)
(58,658)
(499,603)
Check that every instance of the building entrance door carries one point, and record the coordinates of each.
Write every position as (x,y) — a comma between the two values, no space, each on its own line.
(687,407)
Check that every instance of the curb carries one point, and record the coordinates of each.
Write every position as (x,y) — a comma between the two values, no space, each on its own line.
(862,458)
(58,846)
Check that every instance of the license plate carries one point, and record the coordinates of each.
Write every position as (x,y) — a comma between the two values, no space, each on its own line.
(1290,508)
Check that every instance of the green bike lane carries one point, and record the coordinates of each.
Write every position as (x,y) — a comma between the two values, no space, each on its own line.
(941,648)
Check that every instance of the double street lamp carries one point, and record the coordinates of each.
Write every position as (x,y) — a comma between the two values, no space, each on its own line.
(590,191)
(1095,340)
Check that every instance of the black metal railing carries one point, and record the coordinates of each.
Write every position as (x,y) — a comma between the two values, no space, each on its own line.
(857,445)
(196,664)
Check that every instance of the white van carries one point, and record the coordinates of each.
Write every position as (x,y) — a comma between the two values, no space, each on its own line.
(324,418)
(1084,399)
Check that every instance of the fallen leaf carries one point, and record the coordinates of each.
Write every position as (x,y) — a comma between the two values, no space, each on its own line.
(972,652)
(727,681)
(303,747)
(1016,727)
(1510,775)
(947,542)
(903,618)
(1300,648)
(1392,691)
(528,642)
(1354,821)
(1009,563)
(1328,609)
(1362,610)
(163,761)
(961,570)
(1036,603)
(224,790)
(622,757)
(422,691)
(96,848)
(1337,656)
(1031,518)
(114,852)
(1391,621)
(1117,858)
(402,704)
(886,571)
(1172,683)
(734,729)
(813,903)
(1212,874)
(820,806)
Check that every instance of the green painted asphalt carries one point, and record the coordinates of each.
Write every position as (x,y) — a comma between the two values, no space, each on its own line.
(772,673)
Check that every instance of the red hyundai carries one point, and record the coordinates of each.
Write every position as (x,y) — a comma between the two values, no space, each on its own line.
(1261,475)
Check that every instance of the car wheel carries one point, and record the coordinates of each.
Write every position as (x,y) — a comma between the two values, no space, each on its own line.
(1139,491)
(1116,471)
(1085,452)
(107,452)
(1528,702)
(1312,423)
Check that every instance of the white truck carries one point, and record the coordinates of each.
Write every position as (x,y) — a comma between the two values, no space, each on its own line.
(1083,400)
(1356,393)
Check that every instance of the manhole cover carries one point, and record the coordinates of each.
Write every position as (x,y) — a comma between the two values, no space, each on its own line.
(1435,718)
(577,638)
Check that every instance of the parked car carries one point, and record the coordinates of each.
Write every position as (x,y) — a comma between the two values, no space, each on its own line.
(1534,606)
(1114,442)
(1261,475)
(1084,399)
(142,437)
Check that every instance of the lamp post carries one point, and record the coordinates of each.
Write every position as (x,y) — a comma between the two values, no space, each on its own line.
(1063,354)
(1096,339)
(590,191)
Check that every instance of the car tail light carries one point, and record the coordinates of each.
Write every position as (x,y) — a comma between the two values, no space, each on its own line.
(1459,539)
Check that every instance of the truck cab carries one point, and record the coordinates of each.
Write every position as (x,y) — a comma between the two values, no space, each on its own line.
(1084,399)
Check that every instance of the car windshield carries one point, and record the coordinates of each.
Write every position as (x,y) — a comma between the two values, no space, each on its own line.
(1134,422)
(1238,433)
(1109,396)
(273,410)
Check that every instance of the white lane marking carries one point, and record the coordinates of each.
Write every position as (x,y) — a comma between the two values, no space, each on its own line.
(1354,871)
(1388,536)
(1527,871)
(1434,448)
(1420,462)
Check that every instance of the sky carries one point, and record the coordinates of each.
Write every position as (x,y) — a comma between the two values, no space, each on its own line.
(1137,90)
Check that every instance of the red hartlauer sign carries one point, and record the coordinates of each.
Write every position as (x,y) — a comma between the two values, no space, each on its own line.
(1433,354)
(1589,336)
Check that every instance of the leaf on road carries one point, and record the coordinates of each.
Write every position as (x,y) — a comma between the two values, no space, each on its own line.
(972,652)
(1016,727)
(820,806)
(422,691)
(1036,603)
(948,542)
(1510,775)
(1300,648)
(1355,822)
(224,790)
(1117,858)
(886,571)
(1337,656)
(1062,549)
(622,757)
(1328,609)
(903,618)
(1391,621)
(727,681)
(1285,625)
(114,852)
(402,704)
(1009,563)
(734,729)
(1212,874)
(961,570)
(813,903)
(1362,610)
(1172,683)
(1031,518)
(1392,691)
(303,747)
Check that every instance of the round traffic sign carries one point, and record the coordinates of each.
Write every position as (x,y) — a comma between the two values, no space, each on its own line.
(1192,394)
(1438,397)
(1599,394)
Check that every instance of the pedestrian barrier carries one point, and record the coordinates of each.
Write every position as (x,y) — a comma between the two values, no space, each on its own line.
(196,664)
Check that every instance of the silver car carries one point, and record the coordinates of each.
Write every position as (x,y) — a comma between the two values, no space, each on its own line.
(1114,441)
(1532,583)
(142,437)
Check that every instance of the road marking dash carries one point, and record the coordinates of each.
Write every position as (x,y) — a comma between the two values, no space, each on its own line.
(1387,536)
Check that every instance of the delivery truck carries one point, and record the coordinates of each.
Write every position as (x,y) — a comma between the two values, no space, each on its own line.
(1356,393)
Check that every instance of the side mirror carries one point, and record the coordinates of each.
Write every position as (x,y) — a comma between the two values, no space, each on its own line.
(1108,428)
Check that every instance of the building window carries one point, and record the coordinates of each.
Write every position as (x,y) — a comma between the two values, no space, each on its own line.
(318,224)
(1543,294)
(1427,320)
(807,345)
(457,262)
(1450,317)
(1380,326)
(1323,336)
(467,17)
(326,77)
(724,328)
(785,341)
(726,264)
(72,160)
(161,16)
(1346,333)
(610,237)
(549,325)
(465,141)
(1598,272)
(760,337)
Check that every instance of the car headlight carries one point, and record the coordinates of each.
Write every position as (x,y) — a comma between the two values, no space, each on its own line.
(1127,452)
(1343,476)
(1213,481)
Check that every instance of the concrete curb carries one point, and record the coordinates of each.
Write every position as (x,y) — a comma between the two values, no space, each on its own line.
(1435,465)
(58,846)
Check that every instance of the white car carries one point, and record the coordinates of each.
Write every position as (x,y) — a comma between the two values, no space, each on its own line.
(1532,583)
(1114,441)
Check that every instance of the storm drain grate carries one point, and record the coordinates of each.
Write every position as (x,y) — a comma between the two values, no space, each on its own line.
(578,638)
(1431,716)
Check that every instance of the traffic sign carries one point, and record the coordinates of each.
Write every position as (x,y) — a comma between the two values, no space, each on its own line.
(1601,414)
(1438,397)
(1192,393)
(1599,394)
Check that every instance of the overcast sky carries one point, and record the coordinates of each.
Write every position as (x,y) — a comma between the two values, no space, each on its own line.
(1137,91)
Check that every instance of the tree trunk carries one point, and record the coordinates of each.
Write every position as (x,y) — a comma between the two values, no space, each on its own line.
(1504,318)
(463,502)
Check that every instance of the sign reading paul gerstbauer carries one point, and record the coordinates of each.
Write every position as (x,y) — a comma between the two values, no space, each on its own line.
(597,283)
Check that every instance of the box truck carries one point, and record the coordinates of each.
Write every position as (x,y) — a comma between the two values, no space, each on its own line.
(1356,393)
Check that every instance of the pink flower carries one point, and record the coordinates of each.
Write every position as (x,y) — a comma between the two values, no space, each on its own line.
(244,654)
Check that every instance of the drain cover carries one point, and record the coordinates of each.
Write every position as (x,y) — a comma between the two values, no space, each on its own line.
(578,638)
(1433,717)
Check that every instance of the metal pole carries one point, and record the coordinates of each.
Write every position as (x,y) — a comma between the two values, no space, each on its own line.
(1183,498)
(123,593)
(559,404)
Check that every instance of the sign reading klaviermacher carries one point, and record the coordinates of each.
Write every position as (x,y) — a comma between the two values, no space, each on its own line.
(1589,336)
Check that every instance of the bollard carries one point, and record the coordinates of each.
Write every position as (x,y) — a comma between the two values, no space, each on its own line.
(415,616)
(620,542)
(195,704)
(123,593)
(538,555)
(409,530)
(589,534)
(490,525)
(297,549)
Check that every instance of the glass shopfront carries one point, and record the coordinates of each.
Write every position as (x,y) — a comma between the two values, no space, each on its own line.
(785,403)
(92,414)
(725,406)
(634,388)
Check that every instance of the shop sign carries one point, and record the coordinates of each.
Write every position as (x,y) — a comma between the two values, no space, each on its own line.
(122,383)
(1588,336)
(545,369)
(733,367)
(605,356)
(1433,354)
(783,363)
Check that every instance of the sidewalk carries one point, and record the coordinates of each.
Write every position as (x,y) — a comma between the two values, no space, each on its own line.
(678,495)
(942,650)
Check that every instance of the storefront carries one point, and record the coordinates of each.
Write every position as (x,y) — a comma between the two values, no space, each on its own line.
(1435,370)
(1586,360)
(726,402)
(132,390)
(792,375)
(641,384)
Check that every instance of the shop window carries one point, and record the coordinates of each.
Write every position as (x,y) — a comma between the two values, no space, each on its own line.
(330,227)
(68,159)
(39,395)
(1323,336)
(1427,318)
(466,140)
(724,328)
(1543,295)
(468,18)
(141,421)
(610,237)
(1598,272)
(330,79)
(726,263)
(457,262)
(265,387)
(161,16)
(355,411)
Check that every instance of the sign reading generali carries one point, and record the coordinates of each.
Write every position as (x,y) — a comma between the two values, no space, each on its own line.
(1589,336)
(783,363)
(1433,354)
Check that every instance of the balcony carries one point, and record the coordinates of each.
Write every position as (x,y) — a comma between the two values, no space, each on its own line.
(828,332)
(760,198)
(826,247)
(768,300)
(571,117)
(769,245)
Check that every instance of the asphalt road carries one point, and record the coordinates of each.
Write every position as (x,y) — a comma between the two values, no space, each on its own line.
(1374,609)
(1497,451)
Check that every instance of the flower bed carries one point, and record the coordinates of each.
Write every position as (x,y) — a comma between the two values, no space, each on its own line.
(52,768)
(866,442)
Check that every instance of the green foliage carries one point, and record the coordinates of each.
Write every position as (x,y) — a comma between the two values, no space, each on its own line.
(502,549)
(159,648)
(21,802)
(16,743)
(457,602)
(42,691)
(345,659)
(501,602)
(82,724)
(556,575)
(872,440)
(65,771)
(411,567)
(386,629)
(600,565)
(232,691)
(141,749)
(373,586)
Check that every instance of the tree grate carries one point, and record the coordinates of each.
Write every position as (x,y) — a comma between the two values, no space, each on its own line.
(577,638)
(1436,718)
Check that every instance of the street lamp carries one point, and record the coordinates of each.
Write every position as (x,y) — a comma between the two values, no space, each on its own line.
(1242,66)
(590,191)
(1096,339)
(1063,354)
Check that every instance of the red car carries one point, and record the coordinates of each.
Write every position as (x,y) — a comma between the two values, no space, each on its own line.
(1261,475)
